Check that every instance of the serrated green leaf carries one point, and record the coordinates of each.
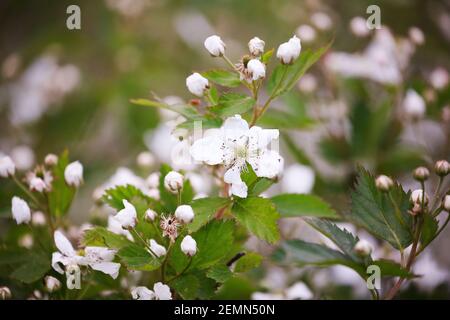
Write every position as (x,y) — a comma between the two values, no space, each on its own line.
(298,205)
(99,236)
(429,228)
(390,268)
(204,210)
(248,262)
(374,211)
(256,185)
(187,286)
(259,216)
(219,273)
(185,110)
(137,257)
(231,104)
(35,268)
(223,77)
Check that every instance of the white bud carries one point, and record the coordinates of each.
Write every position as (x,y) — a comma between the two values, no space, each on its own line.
(150,215)
(173,182)
(37,184)
(257,69)
(127,216)
(74,174)
(7,167)
(184,213)
(20,210)
(189,246)
(26,241)
(442,168)
(363,248)
(421,173)
(321,21)
(439,78)
(446,203)
(52,284)
(416,35)
(215,46)
(197,84)
(289,51)
(359,27)
(417,195)
(5,293)
(384,183)
(413,104)
(256,46)
(298,291)
(145,159)
(157,249)
(153,180)
(51,159)
(38,219)
(306,33)
(162,291)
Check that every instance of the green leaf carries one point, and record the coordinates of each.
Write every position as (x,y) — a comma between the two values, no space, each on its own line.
(297,205)
(138,258)
(223,77)
(35,268)
(206,123)
(214,241)
(255,184)
(305,253)
(99,236)
(285,120)
(248,262)
(186,286)
(231,104)
(374,211)
(61,196)
(265,58)
(204,210)
(185,110)
(259,216)
(390,268)
(220,273)
(429,228)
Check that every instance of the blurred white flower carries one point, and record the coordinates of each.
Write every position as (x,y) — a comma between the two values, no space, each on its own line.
(116,227)
(233,145)
(299,290)
(38,219)
(256,69)
(256,46)
(189,246)
(162,291)
(215,46)
(152,180)
(26,241)
(51,159)
(184,213)
(413,104)
(23,157)
(52,284)
(73,174)
(197,84)
(267,296)
(307,83)
(306,33)
(157,249)
(439,78)
(150,215)
(145,159)
(127,217)
(432,273)
(321,20)
(7,167)
(298,178)
(142,293)
(20,210)
(416,35)
(289,51)
(359,27)
(173,182)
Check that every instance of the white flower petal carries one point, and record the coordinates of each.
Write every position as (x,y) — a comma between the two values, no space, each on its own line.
(234,128)
(162,291)
(142,293)
(63,244)
(58,258)
(110,268)
(207,150)
(268,164)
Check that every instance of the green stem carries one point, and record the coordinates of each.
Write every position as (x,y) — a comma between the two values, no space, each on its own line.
(143,242)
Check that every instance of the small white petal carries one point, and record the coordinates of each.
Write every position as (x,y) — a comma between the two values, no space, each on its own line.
(162,291)
(63,244)
(109,268)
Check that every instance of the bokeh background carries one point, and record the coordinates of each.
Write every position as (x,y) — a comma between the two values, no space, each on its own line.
(63,88)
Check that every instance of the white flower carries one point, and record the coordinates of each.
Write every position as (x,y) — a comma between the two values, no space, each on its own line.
(189,246)
(289,51)
(51,159)
(413,104)
(184,213)
(306,33)
(153,193)
(299,290)
(233,145)
(66,255)
(162,291)
(439,78)
(173,182)
(298,178)
(38,219)
(74,174)
(321,20)
(307,83)
(7,167)
(267,296)
(215,46)
(256,46)
(359,27)
(446,203)
(416,35)
(153,180)
(20,210)
(52,284)
(145,159)
(418,195)
(37,184)
(197,84)
(23,157)
(157,249)
(5,293)
(363,247)
(142,293)
(127,216)
(150,215)
(115,227)
(100,259)
(257,69)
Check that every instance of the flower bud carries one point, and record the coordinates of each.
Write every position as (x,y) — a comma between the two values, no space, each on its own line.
(20,210)
(51,160)
(215,46)
(150,215)
(197,84)
(145,159)
(414,105)
(384,183)
(7,167)
(418,195)
(189,246)
(358,27)
(127,216)
(153,180)
(73,174)
(37,184)
(289,51)
(442,168)
(421,173)
(38,219)
(173,182)
(257,69)
(256,46)
(52,284)
(363,248)
(184,213)
(306,33)
(5,293)
(157,249)
(446,203)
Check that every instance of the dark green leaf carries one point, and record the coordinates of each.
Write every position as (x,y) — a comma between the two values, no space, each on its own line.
(186,286)
(220,273)
(429,229)
(204,210)
(390,268)
(138,258)
(297,205)
(231,104)
(248,262)
(99,236)
(35,268)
